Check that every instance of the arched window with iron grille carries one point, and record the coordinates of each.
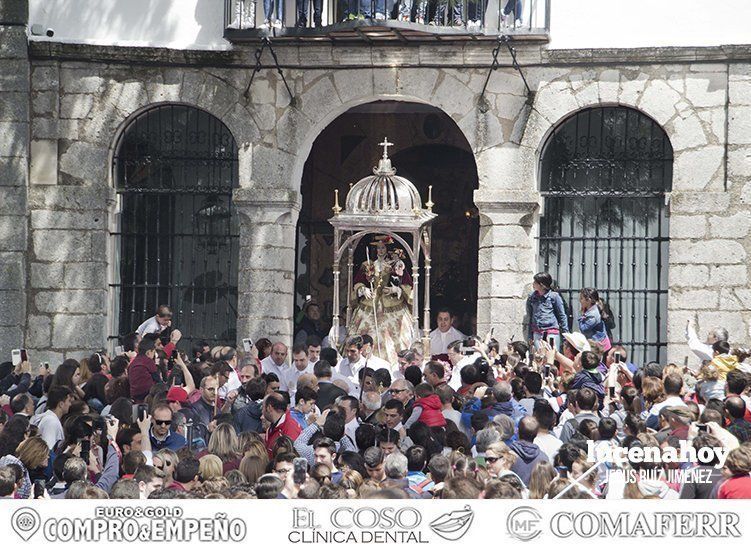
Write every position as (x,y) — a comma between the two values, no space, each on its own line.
(177,238)
(605,172)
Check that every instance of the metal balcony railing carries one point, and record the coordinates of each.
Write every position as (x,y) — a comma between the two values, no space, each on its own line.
(384,20)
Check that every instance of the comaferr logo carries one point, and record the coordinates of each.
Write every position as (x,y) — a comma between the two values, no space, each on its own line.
(524,523)
(454,525)
(641,524)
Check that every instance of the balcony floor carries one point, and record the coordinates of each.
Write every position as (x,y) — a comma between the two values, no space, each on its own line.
(381,32)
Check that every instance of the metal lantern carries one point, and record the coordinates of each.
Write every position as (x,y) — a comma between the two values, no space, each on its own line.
(383,204)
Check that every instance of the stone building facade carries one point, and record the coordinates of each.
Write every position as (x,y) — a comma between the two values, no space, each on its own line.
(62,107)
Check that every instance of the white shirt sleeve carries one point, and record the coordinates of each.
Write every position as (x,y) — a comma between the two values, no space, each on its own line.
(700,349)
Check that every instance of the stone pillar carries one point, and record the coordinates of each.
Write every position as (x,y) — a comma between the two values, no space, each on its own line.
(14,153)
(266,279)
(506,261)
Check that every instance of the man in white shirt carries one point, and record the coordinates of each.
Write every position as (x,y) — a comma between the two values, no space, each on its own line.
(354,360)
(59,399)
(456,381)
(314,349)
(370,358)
(350,406)
(300,365)
(277,361)
(704,351)
(441,337)
(157,323)
(229,355)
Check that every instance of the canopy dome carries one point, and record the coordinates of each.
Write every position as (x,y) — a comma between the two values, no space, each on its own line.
(383,200)
(384,191)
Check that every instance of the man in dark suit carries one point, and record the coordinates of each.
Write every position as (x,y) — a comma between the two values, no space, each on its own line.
(327,391)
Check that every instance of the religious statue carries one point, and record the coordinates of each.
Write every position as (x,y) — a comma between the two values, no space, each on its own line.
(383,290)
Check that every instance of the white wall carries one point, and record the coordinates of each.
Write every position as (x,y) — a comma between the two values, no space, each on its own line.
(648,23)
(197,24)
(178,24)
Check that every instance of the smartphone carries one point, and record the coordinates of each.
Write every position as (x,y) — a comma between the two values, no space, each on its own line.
(25,357)
(702,427)
(551,341)
(85,450)
(617,358)
(141,411)
(16,357)
(546,371)
(247,344)
(299,470)
(685,362)
(611,392)
(38,488)
(119,351)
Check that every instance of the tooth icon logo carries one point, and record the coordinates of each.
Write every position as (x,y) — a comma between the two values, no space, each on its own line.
(25,522)
(454,525)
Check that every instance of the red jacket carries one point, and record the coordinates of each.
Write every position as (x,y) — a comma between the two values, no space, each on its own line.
(142,374)
(286,426)
(431,414)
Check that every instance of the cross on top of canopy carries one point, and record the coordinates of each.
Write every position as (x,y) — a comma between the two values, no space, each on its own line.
(383,201)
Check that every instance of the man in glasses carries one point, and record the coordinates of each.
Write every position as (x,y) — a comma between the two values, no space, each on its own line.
(161,435)
(204,409)
(404,392)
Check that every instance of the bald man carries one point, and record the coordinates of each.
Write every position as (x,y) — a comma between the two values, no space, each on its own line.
(277,361)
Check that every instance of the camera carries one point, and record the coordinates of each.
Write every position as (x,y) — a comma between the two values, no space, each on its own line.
(39,30)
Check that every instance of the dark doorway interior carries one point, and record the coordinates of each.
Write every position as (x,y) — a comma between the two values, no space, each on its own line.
(429,149)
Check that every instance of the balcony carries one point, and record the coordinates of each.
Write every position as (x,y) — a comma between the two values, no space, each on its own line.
(385,21)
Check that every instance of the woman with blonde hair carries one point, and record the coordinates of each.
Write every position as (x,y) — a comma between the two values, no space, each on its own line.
(210,468)
(225,445)
(539,481)
(32,455)
(166,461)
(253,467)
(257,448)
(351,482)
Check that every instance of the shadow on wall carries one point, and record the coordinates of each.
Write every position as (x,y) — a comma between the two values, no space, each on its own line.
(191,24)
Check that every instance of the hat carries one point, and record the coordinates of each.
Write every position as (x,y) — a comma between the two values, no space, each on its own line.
(577,340)
(177,394)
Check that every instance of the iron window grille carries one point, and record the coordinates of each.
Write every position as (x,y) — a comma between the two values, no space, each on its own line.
(605,172)
(177,238)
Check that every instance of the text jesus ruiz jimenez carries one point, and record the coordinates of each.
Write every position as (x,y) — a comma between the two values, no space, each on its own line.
(639,524)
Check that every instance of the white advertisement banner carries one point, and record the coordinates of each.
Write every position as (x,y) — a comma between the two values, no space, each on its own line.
(371,522)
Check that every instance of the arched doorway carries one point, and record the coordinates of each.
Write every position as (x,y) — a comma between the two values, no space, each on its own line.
(177,239)
(604,175)
(429,149)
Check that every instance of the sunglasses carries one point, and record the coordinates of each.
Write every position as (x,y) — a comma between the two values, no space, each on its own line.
(396,391)
(163,422)
(491,460)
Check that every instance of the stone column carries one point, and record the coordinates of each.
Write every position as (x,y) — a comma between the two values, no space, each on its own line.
(266,279)
(14,153)
(506,261)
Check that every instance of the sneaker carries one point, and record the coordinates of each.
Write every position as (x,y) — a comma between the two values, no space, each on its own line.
(277,24)
(265,25)
(380,17)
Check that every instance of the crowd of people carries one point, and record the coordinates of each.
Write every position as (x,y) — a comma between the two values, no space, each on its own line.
(458,417)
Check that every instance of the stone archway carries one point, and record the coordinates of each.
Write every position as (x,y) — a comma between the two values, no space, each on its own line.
(429,149)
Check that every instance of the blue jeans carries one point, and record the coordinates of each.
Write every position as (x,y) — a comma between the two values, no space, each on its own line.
(273,8)
(369,8)
(516,7)
(302,12)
